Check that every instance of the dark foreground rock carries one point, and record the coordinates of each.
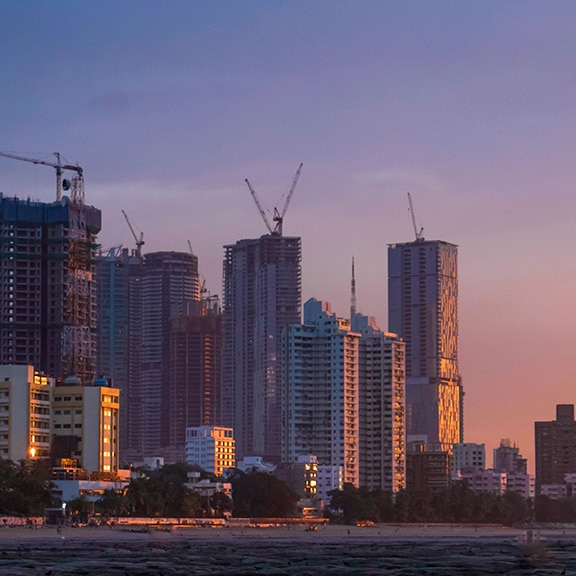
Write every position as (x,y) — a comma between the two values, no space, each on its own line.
(273,556)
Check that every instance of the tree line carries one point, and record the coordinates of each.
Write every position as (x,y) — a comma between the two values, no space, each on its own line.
(454,504)
(26,489)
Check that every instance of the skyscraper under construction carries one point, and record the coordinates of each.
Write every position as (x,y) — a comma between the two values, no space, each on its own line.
(47,285)
(262,296)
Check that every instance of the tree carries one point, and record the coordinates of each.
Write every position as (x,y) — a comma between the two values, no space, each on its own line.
(221,504)
(261,495)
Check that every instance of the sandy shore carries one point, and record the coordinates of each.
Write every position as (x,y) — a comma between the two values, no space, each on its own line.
(383,531)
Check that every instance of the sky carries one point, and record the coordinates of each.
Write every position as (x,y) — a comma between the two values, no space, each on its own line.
(469,106)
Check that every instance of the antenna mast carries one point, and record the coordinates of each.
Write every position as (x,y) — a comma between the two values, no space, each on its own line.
(353,293)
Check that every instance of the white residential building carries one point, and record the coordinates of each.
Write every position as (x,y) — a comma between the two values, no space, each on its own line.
(468,455)
(484,480)
(523,484)
(211,447)
(24,413)
(381,409)
(320,403)
(328,478)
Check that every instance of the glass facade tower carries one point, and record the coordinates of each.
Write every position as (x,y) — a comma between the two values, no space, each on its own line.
(423,311)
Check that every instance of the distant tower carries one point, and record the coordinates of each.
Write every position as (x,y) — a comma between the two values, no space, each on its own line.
(423,311)
(352,293)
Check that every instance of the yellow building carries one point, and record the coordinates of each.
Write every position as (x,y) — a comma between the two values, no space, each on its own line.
(211,447)
(24,413)
(86,424)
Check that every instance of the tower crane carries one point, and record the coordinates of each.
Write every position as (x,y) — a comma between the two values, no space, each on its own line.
(139,241)
(417,233)
(60,183)
(278,217)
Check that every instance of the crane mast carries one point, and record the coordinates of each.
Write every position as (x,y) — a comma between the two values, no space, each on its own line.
(59,170)
(278,217)
(139,241)
(417,233)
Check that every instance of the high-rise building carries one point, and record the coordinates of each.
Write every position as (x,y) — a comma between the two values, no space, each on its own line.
(261,296)
(47,288)
(24,413)
(117,271)
(321,390)
(138,297)
(167,280)
(193,392)
(555,447)
(85,424)
(423,311)
(381,407)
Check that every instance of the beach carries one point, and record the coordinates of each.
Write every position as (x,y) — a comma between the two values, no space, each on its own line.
(396,550)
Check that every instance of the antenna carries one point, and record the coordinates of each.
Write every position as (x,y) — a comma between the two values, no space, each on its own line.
(353,293)
(417,233)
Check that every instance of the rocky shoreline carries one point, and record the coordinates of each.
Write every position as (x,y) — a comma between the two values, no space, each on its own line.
(390,550)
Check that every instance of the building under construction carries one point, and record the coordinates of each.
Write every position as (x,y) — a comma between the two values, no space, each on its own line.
(47,287)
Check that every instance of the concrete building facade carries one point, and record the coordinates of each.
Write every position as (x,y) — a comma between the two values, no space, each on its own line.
(507,458)
(321,387)
(555,447)
(381,407)
(211,447)
(194,385)
(423,311)
(468,455)
(85,425)
(261,296)
(25,400)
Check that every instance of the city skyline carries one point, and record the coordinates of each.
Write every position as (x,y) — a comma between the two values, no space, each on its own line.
(467,107)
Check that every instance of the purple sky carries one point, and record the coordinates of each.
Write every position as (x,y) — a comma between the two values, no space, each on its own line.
(469,106)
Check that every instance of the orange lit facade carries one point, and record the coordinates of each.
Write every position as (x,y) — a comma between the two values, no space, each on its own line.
(423,311)
(24,413)
(86,426)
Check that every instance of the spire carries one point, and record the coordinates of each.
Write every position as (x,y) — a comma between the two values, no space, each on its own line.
(353,293)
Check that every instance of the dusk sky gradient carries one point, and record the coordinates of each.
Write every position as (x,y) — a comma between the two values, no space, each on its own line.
(469,106)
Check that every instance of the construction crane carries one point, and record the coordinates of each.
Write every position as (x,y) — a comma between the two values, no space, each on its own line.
(139,241)
(417,233)
(60,183)
(278,217)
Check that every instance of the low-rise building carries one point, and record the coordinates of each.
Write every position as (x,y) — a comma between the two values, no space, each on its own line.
(211,447)
(85,424)
(484,480)
(427,469)
(24,413)
(328,478)
(301,476)
(468,455)
(523,484)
